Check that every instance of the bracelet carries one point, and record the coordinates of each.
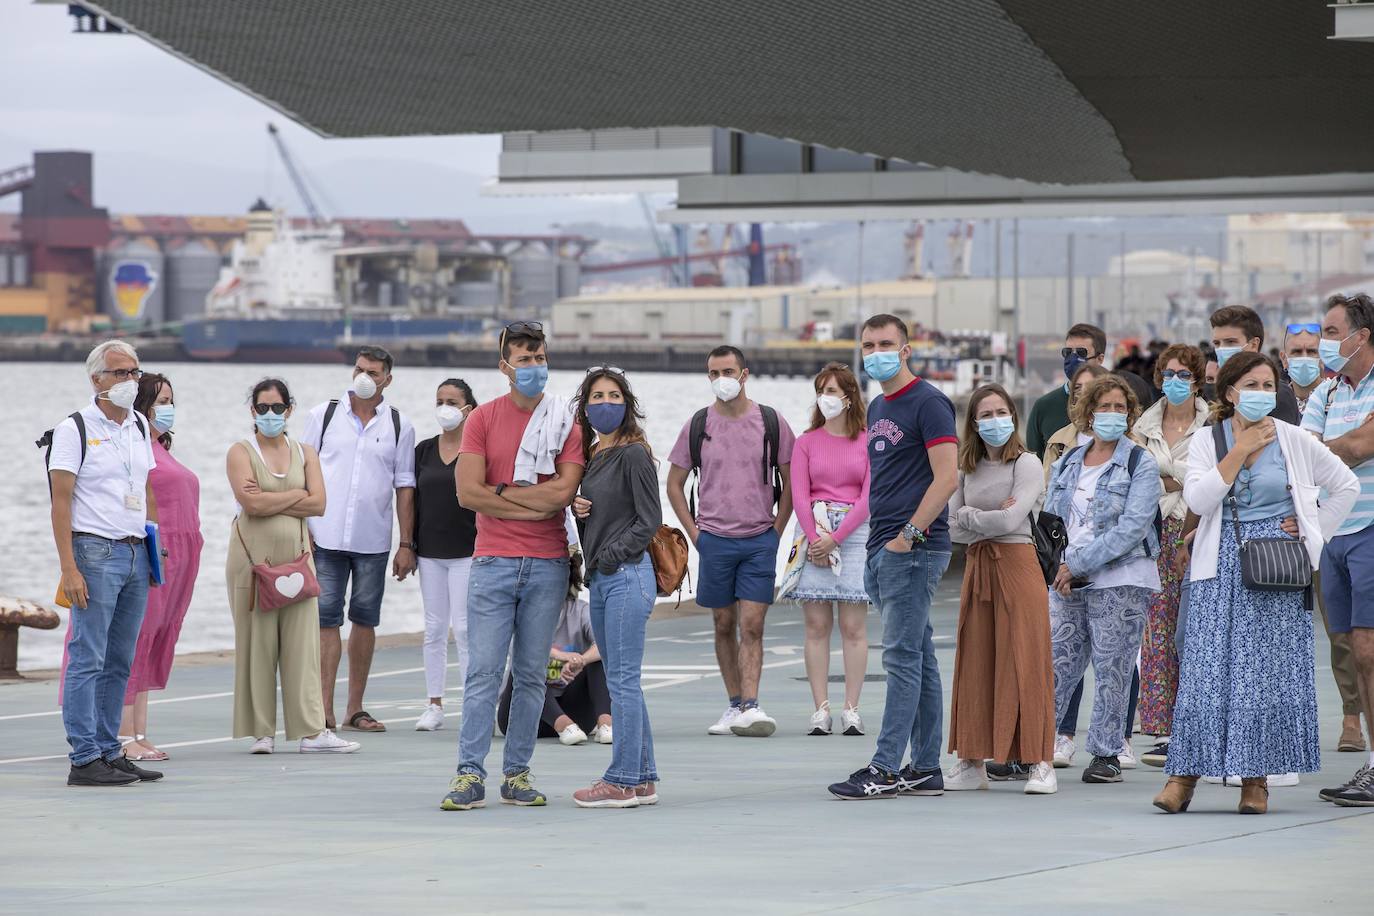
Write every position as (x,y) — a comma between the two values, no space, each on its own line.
(1181,542)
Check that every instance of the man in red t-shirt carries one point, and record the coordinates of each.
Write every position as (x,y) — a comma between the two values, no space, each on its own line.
(520,566)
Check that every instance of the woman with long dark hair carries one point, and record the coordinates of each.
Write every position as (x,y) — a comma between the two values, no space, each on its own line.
(619,512)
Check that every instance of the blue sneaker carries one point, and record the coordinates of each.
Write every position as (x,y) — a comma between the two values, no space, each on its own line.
(870,782)
(465,791)
(517,789)
(920,782)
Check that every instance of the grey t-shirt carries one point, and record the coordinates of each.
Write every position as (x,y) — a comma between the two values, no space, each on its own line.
(574,633)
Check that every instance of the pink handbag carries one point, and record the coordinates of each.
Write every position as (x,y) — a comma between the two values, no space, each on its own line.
(284,583)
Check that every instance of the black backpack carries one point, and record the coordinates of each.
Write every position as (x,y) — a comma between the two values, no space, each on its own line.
(329,415)
(1131,464)
(696,434)
(45,441)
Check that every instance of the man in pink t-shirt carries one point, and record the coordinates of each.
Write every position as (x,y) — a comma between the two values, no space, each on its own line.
(735,530)
(519,573)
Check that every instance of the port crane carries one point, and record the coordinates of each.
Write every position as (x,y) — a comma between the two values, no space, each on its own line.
(317,217)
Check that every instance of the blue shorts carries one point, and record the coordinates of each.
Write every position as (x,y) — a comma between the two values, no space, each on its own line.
(368,571)
(736,569)
(1347,572)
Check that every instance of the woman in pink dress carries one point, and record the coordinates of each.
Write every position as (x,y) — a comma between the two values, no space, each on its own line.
(177,492)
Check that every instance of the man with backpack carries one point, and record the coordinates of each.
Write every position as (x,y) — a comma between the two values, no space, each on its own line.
(98,463)
(367,453)
(741,453)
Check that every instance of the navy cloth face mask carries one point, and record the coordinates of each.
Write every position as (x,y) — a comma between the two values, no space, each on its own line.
(605,417)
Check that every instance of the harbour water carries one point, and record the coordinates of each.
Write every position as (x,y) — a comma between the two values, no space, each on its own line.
(212,414)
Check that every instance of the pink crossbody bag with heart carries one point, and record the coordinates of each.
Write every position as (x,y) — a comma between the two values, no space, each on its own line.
(281,584)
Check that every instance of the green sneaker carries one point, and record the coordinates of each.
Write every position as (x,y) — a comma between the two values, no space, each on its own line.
(517,789)
(465,791)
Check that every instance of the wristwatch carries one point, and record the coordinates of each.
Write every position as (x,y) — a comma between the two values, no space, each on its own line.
(408,545)
(499,488)
(913,534)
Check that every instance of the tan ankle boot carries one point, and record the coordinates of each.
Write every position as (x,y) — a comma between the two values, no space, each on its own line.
(1254,795)
(1177,794)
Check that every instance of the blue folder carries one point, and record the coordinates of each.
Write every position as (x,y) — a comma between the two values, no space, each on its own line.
(153,541)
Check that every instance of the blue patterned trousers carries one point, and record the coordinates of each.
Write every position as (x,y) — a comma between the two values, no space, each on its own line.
(1103,626)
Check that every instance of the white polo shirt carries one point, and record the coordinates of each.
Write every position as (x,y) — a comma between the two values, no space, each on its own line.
(363,466)
(118,459)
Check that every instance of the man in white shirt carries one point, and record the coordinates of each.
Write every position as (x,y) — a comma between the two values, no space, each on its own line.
(367,451)
(101,501)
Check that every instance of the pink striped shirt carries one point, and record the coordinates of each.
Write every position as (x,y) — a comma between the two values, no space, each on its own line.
(832,469)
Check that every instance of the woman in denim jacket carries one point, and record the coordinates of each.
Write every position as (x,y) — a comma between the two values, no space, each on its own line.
(1100,596)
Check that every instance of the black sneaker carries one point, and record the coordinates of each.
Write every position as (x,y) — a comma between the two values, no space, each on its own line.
(1006,772)
(870,782)
(1103,769)
(99,773)
(1360,792)
(1361,774)
(920,782)
(125,765)
(1157,755)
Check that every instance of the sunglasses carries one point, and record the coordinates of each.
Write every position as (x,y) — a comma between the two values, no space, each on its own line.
(1080,352)
(616,370)
(521,328)
(1180,373)
(1308,328)
(278,409)
(124,375)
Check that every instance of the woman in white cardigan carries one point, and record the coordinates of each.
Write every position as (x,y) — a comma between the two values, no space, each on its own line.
(1247,701)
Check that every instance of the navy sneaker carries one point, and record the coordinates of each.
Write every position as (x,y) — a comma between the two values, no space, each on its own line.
(1156,756)
(465,791)
(1006,772)
(1103,769)
(1361,774)
(870,782)
(517,789)
(920,782)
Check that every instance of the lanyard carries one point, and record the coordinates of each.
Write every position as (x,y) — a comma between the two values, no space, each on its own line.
(129,436)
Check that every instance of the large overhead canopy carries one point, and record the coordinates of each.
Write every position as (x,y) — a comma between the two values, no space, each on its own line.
(1067,91)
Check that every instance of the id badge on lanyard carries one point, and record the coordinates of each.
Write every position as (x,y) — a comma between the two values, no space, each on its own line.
(133,498)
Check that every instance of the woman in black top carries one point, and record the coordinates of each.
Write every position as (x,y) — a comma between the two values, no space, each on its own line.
(619,512)
(444,536)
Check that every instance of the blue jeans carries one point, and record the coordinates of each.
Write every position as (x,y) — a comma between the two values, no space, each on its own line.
(101,651)
(901,585)
(368,571)
(621,604)
(513,604)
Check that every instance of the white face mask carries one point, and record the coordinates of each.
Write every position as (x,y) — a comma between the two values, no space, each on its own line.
(830,406)
(124,394)
(363,386)
(726,388)
(449,417)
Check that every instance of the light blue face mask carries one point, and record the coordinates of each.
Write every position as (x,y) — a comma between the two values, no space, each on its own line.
(530,380)
(270,425)
(1109,426)
(1177,390)
(883,365)
(1225,353)
(1304,369)
(164,415)
(1255,405)
(996,431)
(1330,351)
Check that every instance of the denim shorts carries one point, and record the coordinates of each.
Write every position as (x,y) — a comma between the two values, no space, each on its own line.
(736,569)
(333,568)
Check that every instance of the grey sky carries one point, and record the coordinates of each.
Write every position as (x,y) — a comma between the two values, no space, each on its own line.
(169,138)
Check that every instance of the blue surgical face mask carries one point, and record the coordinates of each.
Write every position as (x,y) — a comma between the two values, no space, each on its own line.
(1071,364)
(1109,425)
(1177,390)
(996,431)
(1255,405)
(270,425)
(883,364)
(164,415)
(1330,351)
(1225,353)
(605,417)
(1304,369)
(530,380)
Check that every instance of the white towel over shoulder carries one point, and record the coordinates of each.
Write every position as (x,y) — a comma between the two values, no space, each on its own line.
(543,440)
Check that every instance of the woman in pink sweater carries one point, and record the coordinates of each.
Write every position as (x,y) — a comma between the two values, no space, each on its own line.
(830,497)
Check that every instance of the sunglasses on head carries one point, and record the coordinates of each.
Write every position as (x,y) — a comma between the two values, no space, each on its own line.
(278,409)
(616,370)
(1305,328)
(1080,352)
(520,328)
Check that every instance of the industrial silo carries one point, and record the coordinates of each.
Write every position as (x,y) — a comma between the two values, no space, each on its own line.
(132,280)
(533,282)
(192,271)
(569,278)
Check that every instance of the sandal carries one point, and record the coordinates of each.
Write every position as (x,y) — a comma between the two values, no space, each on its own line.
(152,753)
(362,721)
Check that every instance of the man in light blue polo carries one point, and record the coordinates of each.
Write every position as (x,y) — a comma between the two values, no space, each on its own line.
(1341,413)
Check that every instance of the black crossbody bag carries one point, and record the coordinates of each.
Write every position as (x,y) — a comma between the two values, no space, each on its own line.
(1267,564)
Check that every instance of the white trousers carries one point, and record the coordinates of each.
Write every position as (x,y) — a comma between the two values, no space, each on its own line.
(444,588)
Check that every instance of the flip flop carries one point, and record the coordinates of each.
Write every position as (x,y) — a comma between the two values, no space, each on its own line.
(362,721)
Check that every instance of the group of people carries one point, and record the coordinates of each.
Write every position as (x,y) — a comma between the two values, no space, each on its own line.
(1160,485)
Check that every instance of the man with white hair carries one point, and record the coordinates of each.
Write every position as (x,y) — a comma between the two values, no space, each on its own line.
(101,502)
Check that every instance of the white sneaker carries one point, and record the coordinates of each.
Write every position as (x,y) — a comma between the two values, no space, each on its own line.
(326,742)
(602,734)
(1126,756)
(1042,780)
(727,718)
(572,735)
(753,723)
(431,719)
(263,745)
(1063,751)
(966,776)
(850,722)
(821,723)
(1276,781)
(1215,780)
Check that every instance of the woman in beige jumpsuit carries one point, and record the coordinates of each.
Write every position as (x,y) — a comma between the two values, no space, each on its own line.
(278,485)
